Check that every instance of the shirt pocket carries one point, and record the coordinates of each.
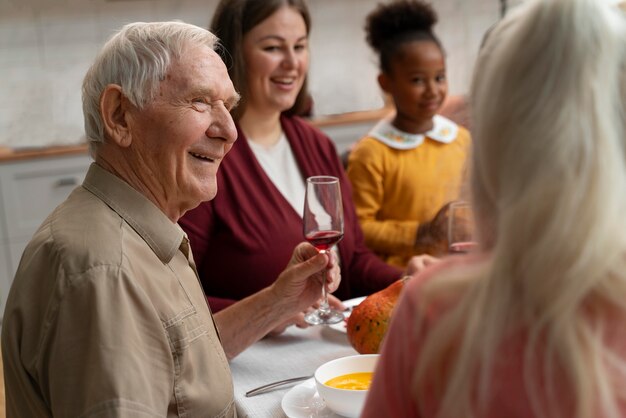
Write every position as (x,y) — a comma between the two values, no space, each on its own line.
(184,329)
(202,381)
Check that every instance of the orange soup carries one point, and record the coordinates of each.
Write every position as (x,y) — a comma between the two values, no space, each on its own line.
(351,381)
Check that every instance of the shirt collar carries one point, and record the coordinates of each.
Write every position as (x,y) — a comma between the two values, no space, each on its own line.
(155,228)
(444,131)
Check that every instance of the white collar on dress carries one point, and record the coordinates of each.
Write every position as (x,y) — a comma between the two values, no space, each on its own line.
(444,131)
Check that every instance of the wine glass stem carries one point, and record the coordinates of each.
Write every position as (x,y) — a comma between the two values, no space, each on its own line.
(324,307)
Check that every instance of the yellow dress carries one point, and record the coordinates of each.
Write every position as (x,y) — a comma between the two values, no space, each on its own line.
(400,180)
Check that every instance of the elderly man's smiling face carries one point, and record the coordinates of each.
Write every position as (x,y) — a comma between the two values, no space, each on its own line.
(180,138)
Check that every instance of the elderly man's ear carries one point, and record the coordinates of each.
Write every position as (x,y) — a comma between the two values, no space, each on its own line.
(115,109)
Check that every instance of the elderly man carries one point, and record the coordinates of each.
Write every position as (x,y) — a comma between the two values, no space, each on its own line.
(106,317)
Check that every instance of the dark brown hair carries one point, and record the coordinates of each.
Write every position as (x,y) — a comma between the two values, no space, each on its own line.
(391,25)
(231,21)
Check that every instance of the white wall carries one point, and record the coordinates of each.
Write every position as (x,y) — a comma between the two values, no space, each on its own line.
(47,45)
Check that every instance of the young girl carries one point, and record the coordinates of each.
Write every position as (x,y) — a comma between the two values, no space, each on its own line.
(407,168)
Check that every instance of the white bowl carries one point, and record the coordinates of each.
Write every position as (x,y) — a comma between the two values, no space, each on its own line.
(346,402)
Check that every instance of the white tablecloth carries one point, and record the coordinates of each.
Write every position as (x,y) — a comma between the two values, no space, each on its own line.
(294,353)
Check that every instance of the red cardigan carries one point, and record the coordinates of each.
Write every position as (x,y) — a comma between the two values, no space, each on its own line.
(243,238)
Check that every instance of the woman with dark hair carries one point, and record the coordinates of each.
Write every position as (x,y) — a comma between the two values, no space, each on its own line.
(231,21)
(244,237)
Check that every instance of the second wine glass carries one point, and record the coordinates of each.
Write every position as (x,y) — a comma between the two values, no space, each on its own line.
(323,228)
(461,239)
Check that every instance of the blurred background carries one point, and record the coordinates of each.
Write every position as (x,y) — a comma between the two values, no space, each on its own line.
(46,47)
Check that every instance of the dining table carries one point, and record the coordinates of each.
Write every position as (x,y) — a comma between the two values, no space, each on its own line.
(295,352)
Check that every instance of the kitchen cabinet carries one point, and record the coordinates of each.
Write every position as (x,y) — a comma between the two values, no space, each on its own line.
(29,190)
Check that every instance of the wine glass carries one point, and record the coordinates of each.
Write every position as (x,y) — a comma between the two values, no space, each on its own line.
(323,228)
(461,238)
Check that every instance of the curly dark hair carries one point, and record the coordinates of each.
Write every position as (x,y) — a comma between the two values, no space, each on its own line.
(391,25)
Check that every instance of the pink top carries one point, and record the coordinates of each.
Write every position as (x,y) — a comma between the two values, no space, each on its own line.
(390,394)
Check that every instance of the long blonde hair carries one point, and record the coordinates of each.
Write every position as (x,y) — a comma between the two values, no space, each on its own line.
(549,188)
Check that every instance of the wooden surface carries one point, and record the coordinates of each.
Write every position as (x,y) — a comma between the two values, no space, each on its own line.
(8,154)
(455,107)
(352,117)
(13,154)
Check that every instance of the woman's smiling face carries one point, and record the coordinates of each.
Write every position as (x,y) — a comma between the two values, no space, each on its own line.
(276,53)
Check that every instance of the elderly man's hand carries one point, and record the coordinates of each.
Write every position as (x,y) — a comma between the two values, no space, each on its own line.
(272,309)
(298,319)
(299,286)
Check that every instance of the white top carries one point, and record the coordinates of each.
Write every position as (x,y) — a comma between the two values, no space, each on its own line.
(444,131)
(281,167)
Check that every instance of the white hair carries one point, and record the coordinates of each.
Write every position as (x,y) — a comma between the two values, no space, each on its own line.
(137,59)
(549,188)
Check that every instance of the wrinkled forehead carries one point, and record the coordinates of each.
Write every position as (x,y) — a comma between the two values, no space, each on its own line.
(200,70)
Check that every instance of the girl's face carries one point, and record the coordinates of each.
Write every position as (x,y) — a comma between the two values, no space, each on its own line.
(417,82)
(276,53)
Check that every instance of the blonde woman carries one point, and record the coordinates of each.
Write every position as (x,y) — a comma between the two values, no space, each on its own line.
(533,327)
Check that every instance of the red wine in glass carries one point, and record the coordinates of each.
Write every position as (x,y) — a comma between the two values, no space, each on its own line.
(324,240)
(462,247)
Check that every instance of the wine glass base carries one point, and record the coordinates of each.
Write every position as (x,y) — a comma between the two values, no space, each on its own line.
(323,318)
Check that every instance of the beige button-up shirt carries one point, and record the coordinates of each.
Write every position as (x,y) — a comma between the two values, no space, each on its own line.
(106,317)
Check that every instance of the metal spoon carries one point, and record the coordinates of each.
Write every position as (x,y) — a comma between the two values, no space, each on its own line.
(269,386)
